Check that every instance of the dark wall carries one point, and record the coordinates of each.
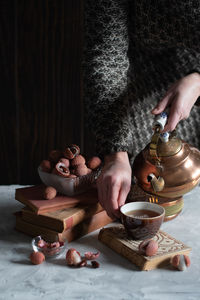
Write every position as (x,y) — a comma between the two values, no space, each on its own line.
(40,83)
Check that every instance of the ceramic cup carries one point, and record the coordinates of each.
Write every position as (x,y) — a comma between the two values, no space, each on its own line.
(142,220)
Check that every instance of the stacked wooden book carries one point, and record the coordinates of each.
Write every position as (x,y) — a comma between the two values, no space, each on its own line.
(62,218)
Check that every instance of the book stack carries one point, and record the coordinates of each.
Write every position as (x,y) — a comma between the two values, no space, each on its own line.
(62,218)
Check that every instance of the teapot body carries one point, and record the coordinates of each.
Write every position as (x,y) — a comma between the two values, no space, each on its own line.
(180,172)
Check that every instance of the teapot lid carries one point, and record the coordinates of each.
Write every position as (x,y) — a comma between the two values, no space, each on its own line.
(163,144)
(165,148)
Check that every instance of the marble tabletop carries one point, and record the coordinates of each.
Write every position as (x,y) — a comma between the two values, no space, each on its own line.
(116,278)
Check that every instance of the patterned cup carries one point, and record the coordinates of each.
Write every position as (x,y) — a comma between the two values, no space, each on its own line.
(142,220)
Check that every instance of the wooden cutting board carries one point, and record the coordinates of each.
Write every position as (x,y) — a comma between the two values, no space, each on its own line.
(117,239)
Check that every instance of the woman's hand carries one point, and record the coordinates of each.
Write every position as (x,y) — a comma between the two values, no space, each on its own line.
(114,183)
(180,98)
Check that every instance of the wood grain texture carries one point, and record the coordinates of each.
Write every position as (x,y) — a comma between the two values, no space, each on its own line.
(49,79)
(41,58)
(8,116)
(117,239)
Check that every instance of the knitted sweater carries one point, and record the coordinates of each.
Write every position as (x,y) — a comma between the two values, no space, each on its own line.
(133,52)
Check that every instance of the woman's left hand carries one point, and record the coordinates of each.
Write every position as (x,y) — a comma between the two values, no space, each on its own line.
(180,99)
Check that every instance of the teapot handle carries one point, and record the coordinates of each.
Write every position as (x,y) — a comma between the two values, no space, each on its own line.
(159,125)
(160,121)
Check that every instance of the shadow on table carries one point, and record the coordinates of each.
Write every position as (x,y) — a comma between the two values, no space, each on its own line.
(9,235)
(13,241)
(109,256)
(22,262)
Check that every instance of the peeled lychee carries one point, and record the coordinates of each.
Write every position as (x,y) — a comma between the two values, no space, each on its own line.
(61,170)
(73,257)
(65,161)
(181,262)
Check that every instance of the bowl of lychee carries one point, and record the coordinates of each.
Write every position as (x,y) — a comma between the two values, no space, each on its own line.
(68,171)
(44,248)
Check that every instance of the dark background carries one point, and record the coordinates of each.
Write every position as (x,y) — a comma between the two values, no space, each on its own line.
(40,84)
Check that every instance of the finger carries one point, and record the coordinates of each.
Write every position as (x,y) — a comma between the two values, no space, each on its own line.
(123,194)
(113,217)
(100,193)
(173,120)
(161,106)
(112,201)
(105,192)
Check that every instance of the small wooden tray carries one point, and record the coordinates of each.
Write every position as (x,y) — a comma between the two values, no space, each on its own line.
(117,239)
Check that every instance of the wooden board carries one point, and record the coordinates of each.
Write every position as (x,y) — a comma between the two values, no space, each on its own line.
(32,197)
(117,239)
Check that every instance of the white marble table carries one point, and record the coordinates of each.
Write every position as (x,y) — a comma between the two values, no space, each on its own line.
(116,278)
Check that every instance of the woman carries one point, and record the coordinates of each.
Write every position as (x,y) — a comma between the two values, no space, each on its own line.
(140,57)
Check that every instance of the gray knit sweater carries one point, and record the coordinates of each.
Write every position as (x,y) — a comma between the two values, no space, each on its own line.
(134,51)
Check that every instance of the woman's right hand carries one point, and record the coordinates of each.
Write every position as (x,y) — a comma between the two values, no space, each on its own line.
(114,183)
(180,98)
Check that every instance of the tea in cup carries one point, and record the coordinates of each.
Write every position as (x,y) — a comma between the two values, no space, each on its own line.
(142,220)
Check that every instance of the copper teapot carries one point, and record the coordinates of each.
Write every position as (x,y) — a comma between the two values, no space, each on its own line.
(167,167)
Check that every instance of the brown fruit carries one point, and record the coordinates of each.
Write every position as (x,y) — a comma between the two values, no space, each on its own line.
(91,255)
(65,161)
(49,193)
(78,160)
(89,171)
(83,263)
(95,264)
(37,258)
(81,170)
(148,247)
(94,162)
(55,155)
(71,151)
(46,166)
(61,170)
(181,262)
(72,176)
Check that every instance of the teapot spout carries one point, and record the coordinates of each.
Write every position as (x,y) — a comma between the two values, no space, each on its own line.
(156,183)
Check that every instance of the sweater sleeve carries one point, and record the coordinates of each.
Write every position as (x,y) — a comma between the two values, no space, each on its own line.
(105,67)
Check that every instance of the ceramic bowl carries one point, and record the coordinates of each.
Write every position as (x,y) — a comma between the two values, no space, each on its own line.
(142,220)
(69,186)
